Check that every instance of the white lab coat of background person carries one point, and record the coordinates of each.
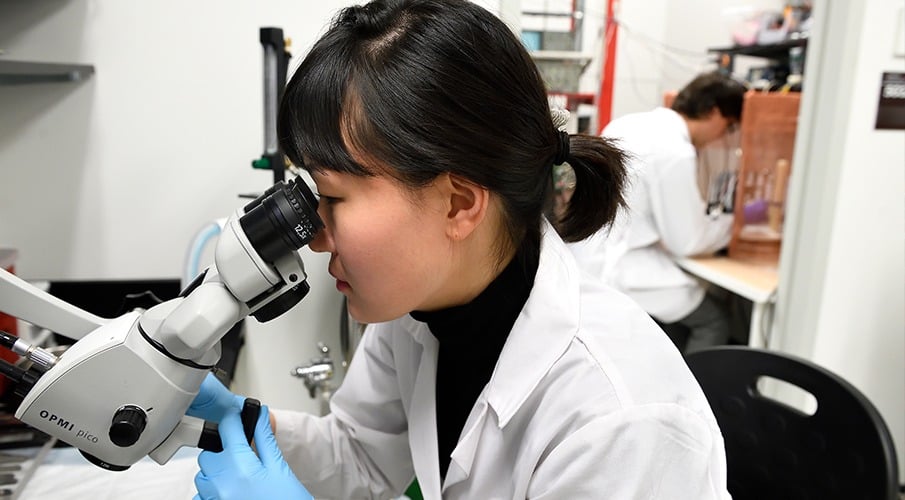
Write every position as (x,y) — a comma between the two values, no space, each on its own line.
(667,218)
(589,399)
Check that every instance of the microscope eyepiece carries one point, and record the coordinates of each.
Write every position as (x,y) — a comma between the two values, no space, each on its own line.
(282,220)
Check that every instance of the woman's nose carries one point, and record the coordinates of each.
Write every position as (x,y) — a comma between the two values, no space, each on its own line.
(323,241)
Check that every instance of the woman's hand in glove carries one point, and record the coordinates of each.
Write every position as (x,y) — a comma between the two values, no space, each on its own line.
(237,473)
(214,401)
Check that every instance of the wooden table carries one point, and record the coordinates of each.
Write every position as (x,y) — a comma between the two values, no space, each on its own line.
(755,282)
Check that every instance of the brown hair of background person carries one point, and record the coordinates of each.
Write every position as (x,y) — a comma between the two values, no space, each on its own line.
(708,91)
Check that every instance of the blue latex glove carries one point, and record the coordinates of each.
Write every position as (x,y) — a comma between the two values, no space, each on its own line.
(237,473)
(214,401)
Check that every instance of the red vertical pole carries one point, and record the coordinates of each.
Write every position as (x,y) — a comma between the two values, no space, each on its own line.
(605,100)
(572,19)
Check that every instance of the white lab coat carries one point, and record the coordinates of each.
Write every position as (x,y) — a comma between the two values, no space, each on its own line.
(667,218)
(589,399)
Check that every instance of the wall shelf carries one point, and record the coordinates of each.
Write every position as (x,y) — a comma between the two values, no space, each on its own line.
(27,72)
(772,50)
(775,51)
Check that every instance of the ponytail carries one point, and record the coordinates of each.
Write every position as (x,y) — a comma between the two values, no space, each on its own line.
(600,179)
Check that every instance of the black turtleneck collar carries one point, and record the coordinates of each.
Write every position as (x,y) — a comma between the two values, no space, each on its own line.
(471,337)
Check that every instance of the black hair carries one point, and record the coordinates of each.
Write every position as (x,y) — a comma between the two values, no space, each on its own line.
(427,87)
(710,90)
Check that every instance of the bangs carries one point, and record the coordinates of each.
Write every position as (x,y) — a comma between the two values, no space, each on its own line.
(322,124)
(373,97)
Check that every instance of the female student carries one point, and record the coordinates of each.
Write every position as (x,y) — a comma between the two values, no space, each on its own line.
(492,366)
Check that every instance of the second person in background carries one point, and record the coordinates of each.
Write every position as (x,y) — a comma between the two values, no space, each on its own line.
(667,215)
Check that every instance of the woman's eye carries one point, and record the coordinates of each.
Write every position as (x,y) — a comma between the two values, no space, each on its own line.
(327,200)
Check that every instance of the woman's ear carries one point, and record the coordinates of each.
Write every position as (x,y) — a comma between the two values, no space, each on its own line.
(468,203)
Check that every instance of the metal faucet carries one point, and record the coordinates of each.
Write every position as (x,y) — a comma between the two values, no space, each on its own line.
(318,373)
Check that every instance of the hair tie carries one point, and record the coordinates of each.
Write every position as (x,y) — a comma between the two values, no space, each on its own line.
(562,148)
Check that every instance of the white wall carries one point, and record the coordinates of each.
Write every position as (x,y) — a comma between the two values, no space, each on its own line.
(842,273)
(111,177)
(662,45)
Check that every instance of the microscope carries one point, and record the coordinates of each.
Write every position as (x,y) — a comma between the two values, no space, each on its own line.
(121,391)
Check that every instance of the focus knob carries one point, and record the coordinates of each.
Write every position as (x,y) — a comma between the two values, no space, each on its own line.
(128,424)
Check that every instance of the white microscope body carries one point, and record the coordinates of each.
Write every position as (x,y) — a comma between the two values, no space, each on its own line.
(121,391)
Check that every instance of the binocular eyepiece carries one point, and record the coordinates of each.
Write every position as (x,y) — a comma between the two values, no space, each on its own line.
(277,223)
(282,220)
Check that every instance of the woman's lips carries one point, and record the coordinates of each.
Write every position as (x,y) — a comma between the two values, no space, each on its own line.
(341,285)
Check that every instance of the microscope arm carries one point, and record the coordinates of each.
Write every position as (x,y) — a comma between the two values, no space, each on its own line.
(22,300)
(121,392)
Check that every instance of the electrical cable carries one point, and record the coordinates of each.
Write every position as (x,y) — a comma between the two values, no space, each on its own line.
(660,45)
(7,339)
(42,359)
(669,53)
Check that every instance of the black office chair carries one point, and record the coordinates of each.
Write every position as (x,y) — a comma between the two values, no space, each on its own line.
(774,451)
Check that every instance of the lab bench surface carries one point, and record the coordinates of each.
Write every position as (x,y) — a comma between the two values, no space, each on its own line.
(755,282)
(64,474)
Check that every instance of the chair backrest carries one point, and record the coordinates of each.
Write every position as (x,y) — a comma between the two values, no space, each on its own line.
(774,451)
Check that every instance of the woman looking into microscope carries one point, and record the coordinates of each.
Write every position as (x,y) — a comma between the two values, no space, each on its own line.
(492,367)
